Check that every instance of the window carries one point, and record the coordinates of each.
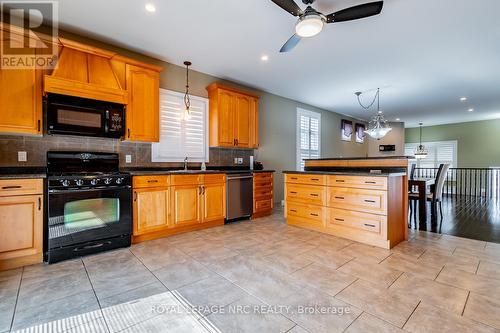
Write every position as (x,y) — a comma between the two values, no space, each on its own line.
(438,152)
(308,136)
(181,138)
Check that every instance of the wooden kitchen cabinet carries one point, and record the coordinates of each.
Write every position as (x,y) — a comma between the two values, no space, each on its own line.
(21,101)
(263,198)
(233,119)
(151,210)
(143,109)
(214,202)
(186,204)
(21,222)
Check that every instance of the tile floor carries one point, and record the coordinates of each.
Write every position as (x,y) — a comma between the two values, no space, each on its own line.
(262,276)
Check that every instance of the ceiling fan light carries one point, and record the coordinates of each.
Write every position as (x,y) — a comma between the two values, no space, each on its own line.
(309,26)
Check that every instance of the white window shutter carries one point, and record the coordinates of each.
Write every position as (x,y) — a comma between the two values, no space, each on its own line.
(308,136)
(181,138)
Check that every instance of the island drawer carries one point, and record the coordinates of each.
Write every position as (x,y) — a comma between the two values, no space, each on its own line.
(263,193)
(376,183)
(362,200)
(263,205)
(309,194)
(356,220)
(309,212)
(151,181)
(308,179)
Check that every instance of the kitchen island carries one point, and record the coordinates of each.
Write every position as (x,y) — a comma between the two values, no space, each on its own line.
(361,199)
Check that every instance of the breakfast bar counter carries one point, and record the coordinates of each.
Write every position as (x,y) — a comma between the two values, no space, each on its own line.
(362,199)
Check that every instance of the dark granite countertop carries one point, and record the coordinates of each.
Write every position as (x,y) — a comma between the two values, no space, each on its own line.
(145,172)
(23,172)
(350,173)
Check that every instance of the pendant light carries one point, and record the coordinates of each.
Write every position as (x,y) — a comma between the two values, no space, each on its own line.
(421,151)
(187,98)
(378,126)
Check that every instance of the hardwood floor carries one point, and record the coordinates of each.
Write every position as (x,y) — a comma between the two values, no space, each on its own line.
(464,216)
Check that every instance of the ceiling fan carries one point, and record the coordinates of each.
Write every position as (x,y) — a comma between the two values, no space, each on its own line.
(311,21)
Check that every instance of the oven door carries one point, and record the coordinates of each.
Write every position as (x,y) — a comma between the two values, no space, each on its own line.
(88,215)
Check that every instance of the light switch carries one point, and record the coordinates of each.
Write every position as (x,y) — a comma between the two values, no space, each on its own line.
(128,158)
(22,156)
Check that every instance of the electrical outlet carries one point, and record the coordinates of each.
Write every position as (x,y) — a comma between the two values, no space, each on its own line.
(236,160)
(240,160)
(128,158)
(22,156)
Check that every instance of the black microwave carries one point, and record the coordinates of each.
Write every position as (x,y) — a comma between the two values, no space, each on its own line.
(82,116)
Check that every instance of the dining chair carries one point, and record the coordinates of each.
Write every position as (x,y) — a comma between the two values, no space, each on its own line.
(436,195)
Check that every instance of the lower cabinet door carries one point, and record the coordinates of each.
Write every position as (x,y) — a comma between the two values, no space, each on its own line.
(21,226)
(151,210)
(214,202)
(186,205)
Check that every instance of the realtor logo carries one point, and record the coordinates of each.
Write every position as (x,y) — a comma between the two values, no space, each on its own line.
(28,33)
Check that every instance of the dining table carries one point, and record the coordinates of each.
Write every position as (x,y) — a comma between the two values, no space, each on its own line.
(422,184)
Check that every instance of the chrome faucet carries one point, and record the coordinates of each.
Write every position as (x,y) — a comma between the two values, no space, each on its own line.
(186,163)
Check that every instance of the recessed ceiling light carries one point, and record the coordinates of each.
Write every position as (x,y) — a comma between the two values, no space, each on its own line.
(150,7)
(264,57)
(463,99)
(397,119)
(471,110)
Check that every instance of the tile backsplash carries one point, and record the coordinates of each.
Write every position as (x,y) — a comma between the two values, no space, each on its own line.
(37,147)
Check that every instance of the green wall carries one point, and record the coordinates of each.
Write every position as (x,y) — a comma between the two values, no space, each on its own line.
(277,116)
(478,142)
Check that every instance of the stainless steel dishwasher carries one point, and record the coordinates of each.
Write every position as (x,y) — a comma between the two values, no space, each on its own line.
(239,196)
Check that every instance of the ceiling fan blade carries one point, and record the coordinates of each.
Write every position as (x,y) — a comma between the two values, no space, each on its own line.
(290,44)
(290,6)
(356,12)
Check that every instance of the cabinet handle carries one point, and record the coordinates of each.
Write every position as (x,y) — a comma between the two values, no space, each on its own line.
(293,178)
(367,182)
(341,198)
(293,192)
(370,201)
(293,210)
(39,203)
(11,187)
(340,181)
(203,187)
(153,181)
(314,195)
(236,141)
(135,196)
(370,225)
(199,190)
(315,179)
(314,214)
(128,132)
(39,125)
(340,220)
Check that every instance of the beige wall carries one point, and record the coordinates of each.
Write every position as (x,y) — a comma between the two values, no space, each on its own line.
(395,137)
(277,118)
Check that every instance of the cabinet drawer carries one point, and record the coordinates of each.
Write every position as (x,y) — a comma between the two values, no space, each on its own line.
(186,179)
(309,179)
(263,183)
(263,205)
(214,178)
(262,176)
(376,183)
(309,212)
(355,220)
(264,193)
(151,181)
(11,187)
(370,201)
(309,194)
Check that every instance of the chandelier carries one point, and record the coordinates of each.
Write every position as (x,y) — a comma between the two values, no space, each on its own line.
(378,126)
(420,151)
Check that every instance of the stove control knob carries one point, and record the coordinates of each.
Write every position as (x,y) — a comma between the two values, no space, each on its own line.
(64,182)
(79,182)
(119,180)
(94,182)
(107,181)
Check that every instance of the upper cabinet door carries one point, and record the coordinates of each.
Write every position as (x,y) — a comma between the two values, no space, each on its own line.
(254,122)
(143,109)
(242,121)
(226,103)
(21,101)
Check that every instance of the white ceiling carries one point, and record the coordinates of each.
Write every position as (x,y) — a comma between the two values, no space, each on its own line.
(424,54)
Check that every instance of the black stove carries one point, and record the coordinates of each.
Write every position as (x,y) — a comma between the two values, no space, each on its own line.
(89,204)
